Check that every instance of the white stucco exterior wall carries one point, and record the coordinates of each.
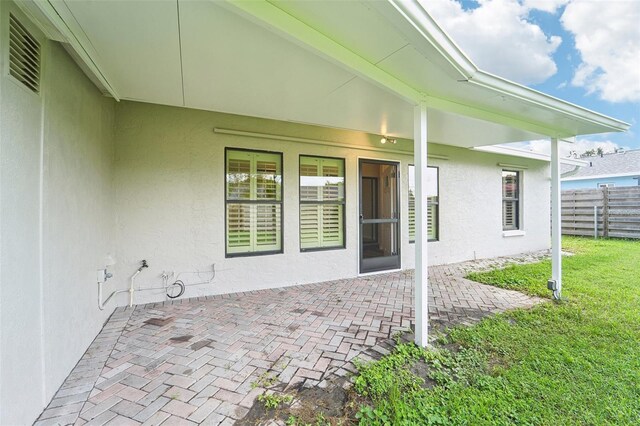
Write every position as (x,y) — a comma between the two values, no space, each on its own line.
(470,222)
(170,201)
(21,369)
(56,225)
(82,177)
(78,212)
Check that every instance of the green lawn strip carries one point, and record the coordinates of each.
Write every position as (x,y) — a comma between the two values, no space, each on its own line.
(575,362)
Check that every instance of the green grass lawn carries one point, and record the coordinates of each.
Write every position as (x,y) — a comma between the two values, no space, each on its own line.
(574,362)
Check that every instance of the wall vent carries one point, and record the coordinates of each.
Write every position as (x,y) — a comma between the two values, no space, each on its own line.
(24,55)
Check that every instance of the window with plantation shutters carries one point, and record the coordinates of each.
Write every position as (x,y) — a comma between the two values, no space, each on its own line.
(253,202)
(432,203)
(322,203)
(510,200)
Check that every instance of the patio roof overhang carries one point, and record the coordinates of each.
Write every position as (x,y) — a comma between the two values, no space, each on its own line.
(356,65)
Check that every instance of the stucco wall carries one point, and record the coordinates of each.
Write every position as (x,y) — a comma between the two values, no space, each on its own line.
(21,370)
(170,201)
(78,217)
(470,224)
(82,177)
(56,223)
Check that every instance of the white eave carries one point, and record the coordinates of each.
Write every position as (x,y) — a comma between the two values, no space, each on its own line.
(359,65)
(523,153)
(614,175)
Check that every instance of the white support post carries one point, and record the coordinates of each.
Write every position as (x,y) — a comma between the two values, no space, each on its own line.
(556,217)
(422,266)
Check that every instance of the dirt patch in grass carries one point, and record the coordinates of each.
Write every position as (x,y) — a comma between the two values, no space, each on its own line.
(331,405)
(421,369)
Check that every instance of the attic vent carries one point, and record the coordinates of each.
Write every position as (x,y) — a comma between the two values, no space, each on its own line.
(24,55)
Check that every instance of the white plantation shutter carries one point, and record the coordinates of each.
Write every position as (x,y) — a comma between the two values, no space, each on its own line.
(267,227)
(321,202)
(238,179)
(238,227)
(432,204)
(310,220)
(254,202)
(412,213)
(331,225)
(432,218)
(510,200)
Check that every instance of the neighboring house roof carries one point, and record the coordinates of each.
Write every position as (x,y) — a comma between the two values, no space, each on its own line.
(566,169)
(626,163)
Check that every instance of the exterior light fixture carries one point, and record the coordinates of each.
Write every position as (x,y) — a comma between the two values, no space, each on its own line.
(386,139)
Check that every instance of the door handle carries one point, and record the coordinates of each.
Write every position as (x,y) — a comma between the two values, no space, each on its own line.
(361,218)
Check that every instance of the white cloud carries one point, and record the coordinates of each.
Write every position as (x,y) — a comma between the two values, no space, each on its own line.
(550,6)
(607,35)
(580,146)
(499,38)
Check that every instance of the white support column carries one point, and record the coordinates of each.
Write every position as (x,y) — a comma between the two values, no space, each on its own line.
(422,264)
(556,213)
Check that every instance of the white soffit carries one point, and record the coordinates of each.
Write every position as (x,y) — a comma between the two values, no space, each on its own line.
(372,37)
(268,60)
(233,65)
(138,44)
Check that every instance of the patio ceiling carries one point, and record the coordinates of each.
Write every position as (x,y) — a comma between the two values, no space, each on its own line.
(356,65)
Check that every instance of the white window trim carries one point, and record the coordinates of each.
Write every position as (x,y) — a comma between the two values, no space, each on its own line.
(514,233)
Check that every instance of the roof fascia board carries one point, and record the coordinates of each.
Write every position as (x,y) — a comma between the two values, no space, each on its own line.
(521,153)
(61,18)
(494,149)
(512,89)
(614,175)
(425,28)
(420,20)
(275,19)
(34,13)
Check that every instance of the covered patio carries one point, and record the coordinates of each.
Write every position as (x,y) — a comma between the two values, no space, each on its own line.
(118,151)
(206,360)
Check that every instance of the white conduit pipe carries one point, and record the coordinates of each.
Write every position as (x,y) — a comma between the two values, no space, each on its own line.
(131,290)
(133,279)
(100,302)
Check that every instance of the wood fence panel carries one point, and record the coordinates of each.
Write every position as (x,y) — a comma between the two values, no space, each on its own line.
(618,212)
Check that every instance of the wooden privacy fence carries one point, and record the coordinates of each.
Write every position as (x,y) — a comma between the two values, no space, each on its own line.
(611,212)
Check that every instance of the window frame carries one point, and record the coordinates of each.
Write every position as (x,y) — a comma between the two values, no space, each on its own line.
(343,203)
(249,202)
(517,199)
(437,223)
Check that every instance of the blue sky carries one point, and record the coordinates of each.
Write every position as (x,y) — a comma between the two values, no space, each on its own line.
(567,59)
(585,52)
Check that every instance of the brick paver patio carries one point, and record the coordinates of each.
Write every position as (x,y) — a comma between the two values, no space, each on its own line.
(205,360)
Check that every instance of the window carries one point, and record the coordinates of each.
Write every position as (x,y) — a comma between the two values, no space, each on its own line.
(510,200)
(322,203)
(254,202)
(432,203)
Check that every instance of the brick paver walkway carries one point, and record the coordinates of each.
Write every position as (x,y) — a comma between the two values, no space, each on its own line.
(205,360)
